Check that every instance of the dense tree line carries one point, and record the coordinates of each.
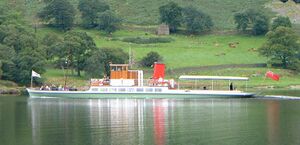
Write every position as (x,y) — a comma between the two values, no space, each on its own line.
(94,14)
(19,51)
(58,13)
(252,20)
(77,51)
(194,20)
(90,11)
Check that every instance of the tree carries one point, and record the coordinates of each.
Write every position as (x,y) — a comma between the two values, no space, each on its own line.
(171,14)
(59,13)
(77,48)
(17,37)
(1,69)
(252,20)
(108,21)
(281,21)
(19,51)
(113,55)
(7,55)
(90,10)
(52,45)
(196,21)
(26,61)
(3,11)
(151,57)
(260,25)
(95,65)
(282,47)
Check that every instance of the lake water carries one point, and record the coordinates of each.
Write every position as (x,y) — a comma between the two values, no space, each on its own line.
(53,121)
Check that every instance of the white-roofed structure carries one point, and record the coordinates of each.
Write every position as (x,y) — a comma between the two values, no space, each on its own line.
(229,78)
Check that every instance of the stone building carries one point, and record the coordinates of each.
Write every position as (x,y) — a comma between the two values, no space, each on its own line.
(163,29)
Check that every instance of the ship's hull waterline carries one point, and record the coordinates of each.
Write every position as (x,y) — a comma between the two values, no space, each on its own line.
(130,95)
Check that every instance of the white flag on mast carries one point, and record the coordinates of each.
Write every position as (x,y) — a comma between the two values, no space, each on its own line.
(35,74)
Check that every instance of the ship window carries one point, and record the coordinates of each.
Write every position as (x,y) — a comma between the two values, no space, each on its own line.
(139,89)
(158,90)
(113,89)
(149,89)
(121,89)
(130,89)
(94,89)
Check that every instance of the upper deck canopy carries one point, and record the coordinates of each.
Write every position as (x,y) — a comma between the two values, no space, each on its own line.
(213,78)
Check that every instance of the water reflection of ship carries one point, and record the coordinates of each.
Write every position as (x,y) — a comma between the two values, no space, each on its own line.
(102,121)
(147,121)
(159,112)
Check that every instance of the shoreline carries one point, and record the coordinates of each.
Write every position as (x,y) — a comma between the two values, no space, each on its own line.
(12,91)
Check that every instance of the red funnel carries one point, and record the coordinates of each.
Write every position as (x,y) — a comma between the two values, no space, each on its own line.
(159,71)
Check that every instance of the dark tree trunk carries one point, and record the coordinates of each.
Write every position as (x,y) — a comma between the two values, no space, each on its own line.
(78,72)
(284,63)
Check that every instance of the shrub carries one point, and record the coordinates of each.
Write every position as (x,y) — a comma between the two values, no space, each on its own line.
(281,21)
(149,60)
(140,40)
(253,20)
(197,21)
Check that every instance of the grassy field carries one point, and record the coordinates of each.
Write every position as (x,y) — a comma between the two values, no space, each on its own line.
(185,51)
(257,76)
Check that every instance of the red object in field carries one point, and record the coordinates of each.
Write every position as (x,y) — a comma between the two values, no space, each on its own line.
(272,75)
(159,71)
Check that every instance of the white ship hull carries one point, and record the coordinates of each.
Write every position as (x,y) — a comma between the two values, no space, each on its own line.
(164,94)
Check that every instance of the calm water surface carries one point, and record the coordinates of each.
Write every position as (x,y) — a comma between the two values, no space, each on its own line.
(52,121)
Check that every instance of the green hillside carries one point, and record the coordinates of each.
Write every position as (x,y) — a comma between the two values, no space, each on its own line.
(184,51)
(141,19)
(145,12)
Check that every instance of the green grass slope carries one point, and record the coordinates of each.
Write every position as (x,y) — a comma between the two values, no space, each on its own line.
(145,12)
(184,51)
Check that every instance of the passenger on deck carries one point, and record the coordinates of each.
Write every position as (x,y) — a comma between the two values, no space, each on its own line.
(53,88)
(42,87)
(60,88)
(47,88)
(231,87)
